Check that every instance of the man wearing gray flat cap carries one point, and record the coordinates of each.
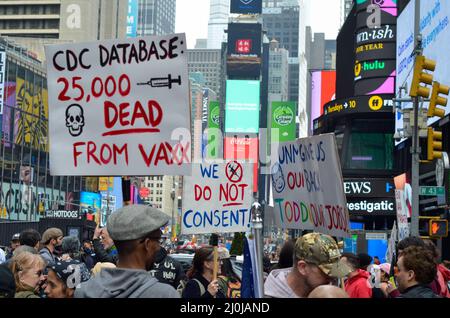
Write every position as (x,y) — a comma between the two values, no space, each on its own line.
(135,230)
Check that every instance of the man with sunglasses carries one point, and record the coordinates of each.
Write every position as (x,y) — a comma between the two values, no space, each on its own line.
(316,262)
(135,230)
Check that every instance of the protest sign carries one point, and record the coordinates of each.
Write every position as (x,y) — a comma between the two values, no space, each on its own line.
(402,216)
(217,198)
(119,107)
(390,252)
(308,187)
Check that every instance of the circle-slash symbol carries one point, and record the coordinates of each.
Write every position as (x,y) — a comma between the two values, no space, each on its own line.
(234,171)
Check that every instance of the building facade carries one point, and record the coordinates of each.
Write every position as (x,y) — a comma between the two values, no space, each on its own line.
(156,17)
(72,20)
(278,73)
(207,62)
(218,22)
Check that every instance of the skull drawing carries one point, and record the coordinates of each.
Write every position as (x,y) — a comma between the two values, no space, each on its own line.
(75,120)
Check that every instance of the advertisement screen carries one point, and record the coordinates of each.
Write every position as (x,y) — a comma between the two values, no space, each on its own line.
(244,49)
(132,18)
(283,119)
(238,148)
(435,30)
(323,91)
(242,106)
(90,203)
(246,6)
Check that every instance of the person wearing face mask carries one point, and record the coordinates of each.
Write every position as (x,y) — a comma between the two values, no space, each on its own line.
(52,240)
(135,230)
(28,271)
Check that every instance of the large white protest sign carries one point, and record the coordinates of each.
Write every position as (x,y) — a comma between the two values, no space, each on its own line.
(308,187)
(217,198)
(119,107)
(402,216)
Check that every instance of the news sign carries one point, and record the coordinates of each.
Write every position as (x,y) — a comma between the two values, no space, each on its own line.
(119,107)
(246,6)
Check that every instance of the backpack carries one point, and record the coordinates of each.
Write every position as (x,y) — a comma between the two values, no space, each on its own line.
(183,283)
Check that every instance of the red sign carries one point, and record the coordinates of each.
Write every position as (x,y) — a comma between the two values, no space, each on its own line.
(144,192)
(244,46)
(243,149)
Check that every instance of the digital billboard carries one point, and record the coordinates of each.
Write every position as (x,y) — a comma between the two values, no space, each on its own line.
(132,18)
(323,91)
(90,203)
(242,106)
(244,49)
(359,104)
(246,6)
(283,119)
(435,30)
(243,148)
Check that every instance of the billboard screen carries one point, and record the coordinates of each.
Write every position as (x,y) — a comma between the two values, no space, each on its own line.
(132,18)
(323,91)
(435,30)
(238,148)
(244,49)
(242,106)
(283,119)
(246,6)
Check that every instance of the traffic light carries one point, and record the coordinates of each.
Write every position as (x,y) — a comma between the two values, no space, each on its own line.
(438,228)
(432,227)
(437,100)
(420,76)
(434,144)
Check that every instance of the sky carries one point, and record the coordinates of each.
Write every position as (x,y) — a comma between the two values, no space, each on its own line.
(192,18)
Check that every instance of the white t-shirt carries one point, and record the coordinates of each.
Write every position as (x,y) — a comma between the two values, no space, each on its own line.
(2,256)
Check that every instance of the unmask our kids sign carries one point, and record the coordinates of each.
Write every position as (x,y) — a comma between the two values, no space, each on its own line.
(307,187)
(217,198)
(119,107)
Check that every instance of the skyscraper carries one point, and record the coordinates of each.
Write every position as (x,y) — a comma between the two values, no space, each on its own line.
(156,17)
(346,7)
(218,23)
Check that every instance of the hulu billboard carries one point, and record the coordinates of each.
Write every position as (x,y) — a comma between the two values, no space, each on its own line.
(283,119)
(242,106)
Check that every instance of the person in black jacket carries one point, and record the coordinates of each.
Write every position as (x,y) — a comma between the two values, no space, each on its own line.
(104,248)
(167,270)
(200,275)
(416,270)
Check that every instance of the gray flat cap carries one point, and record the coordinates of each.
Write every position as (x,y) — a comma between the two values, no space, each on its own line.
(133,222)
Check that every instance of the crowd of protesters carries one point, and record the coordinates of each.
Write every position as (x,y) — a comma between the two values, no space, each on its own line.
(126,260)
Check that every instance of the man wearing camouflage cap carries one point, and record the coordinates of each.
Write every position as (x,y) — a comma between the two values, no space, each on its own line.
(316,262)
(135,230)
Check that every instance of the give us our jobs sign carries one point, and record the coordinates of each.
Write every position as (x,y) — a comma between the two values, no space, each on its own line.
(119,107)
(307,187)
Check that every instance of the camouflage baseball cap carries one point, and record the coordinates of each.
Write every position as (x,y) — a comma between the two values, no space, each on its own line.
(323,251)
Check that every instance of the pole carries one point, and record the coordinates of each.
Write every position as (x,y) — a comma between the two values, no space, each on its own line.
(257,214)
(415,149)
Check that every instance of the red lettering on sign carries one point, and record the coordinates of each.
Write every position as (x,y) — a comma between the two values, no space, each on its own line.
(103,154)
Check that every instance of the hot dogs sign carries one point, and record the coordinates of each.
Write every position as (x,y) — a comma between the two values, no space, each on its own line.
(119,107)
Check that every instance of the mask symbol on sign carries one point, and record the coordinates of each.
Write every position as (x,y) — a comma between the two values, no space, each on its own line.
(75,120)
(278,178)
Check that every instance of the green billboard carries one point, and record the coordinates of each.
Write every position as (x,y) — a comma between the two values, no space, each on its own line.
(213,114)
(242,106)
(212,149)
(283,119)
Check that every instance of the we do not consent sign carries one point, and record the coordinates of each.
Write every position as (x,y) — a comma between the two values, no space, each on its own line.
(119,107)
